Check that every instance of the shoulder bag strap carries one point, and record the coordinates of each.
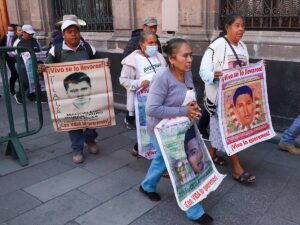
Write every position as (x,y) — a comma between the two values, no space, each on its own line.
(236,56)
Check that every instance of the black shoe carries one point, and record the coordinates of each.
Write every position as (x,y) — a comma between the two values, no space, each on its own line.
(153,196)
(32,97)
(129,125)
(44,99)
(204,219)
(12,92)
(18,99)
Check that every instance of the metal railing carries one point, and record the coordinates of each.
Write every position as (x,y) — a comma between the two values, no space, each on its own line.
(96,13)
(283,15)
(14,146)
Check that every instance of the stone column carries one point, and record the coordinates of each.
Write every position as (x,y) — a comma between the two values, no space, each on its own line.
(35,14)
(13,11)
(122,11)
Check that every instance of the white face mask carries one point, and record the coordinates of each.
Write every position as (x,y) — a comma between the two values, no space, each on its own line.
(10,33)
(151,50)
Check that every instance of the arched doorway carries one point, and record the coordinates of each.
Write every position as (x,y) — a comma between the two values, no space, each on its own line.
(3,18)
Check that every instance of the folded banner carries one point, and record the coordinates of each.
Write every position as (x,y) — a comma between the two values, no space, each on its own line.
(40,58)
(243,108)
(192,172)
(145,147)
(80,95)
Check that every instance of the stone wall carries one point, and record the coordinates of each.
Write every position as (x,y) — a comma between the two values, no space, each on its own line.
(197,22)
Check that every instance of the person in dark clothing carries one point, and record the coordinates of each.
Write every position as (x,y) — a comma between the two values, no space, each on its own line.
(204,123)
(27,41)
(19,32)
(7,41)
(150,23)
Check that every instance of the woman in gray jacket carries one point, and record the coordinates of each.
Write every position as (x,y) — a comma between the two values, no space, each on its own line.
(168,92)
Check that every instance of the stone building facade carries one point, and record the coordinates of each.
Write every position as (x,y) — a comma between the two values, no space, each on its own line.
(195,20)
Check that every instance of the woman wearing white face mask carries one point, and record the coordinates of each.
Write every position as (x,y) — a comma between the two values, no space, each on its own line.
(139,68)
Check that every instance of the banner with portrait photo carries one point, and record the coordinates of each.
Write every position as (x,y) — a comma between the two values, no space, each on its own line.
(80,94)
(40,58)
(243,108)
(192,172)
(145,147)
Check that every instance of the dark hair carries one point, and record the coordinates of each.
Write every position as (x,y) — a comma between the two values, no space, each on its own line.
(229,20)
(240,91)
(172,46)
(14,26)
(76,78)
(189,135)
(143,36)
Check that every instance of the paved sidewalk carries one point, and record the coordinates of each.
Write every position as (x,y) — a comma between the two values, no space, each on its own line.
(104,190)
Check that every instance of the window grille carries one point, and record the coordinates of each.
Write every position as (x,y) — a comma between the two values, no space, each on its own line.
(281,15)
(96,13)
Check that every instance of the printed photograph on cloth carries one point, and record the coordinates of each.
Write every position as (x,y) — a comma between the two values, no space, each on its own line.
(40,58)
(244,108)
(145,147)
(190,167)
(80,95)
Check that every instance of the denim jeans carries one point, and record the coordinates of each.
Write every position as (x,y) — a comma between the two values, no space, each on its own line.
(78,137)
(291,133)
(154,174)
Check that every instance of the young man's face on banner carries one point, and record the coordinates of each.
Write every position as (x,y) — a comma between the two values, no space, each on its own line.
(245,109)
(195,155)
(80,91)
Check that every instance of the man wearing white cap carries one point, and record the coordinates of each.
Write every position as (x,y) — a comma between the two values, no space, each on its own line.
(74,49)
(27,41)
(58,37)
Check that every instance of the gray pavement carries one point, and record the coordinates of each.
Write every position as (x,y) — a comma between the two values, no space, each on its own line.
(103,190)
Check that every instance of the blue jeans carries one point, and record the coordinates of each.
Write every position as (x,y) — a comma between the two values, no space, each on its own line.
(291,133)
(154,174)
(78,137)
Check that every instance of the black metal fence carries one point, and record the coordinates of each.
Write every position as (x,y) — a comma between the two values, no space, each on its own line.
(96,13)
(281,15)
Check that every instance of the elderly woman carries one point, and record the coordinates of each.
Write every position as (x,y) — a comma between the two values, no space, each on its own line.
(226,52)
(138,70)
(171,95)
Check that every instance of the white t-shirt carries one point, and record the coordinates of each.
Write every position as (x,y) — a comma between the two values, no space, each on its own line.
(144,68)
(218,57)
(230,59)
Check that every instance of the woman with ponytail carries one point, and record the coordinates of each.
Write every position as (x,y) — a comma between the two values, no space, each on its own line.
(225,52)
(171,95)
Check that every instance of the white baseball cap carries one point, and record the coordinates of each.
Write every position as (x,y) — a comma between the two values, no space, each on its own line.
(28,29)
(72,17)
(68,23)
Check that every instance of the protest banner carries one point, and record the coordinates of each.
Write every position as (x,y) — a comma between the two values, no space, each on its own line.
(40,58)
(80,94)
(243,108)
(192,172)
(145,147)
